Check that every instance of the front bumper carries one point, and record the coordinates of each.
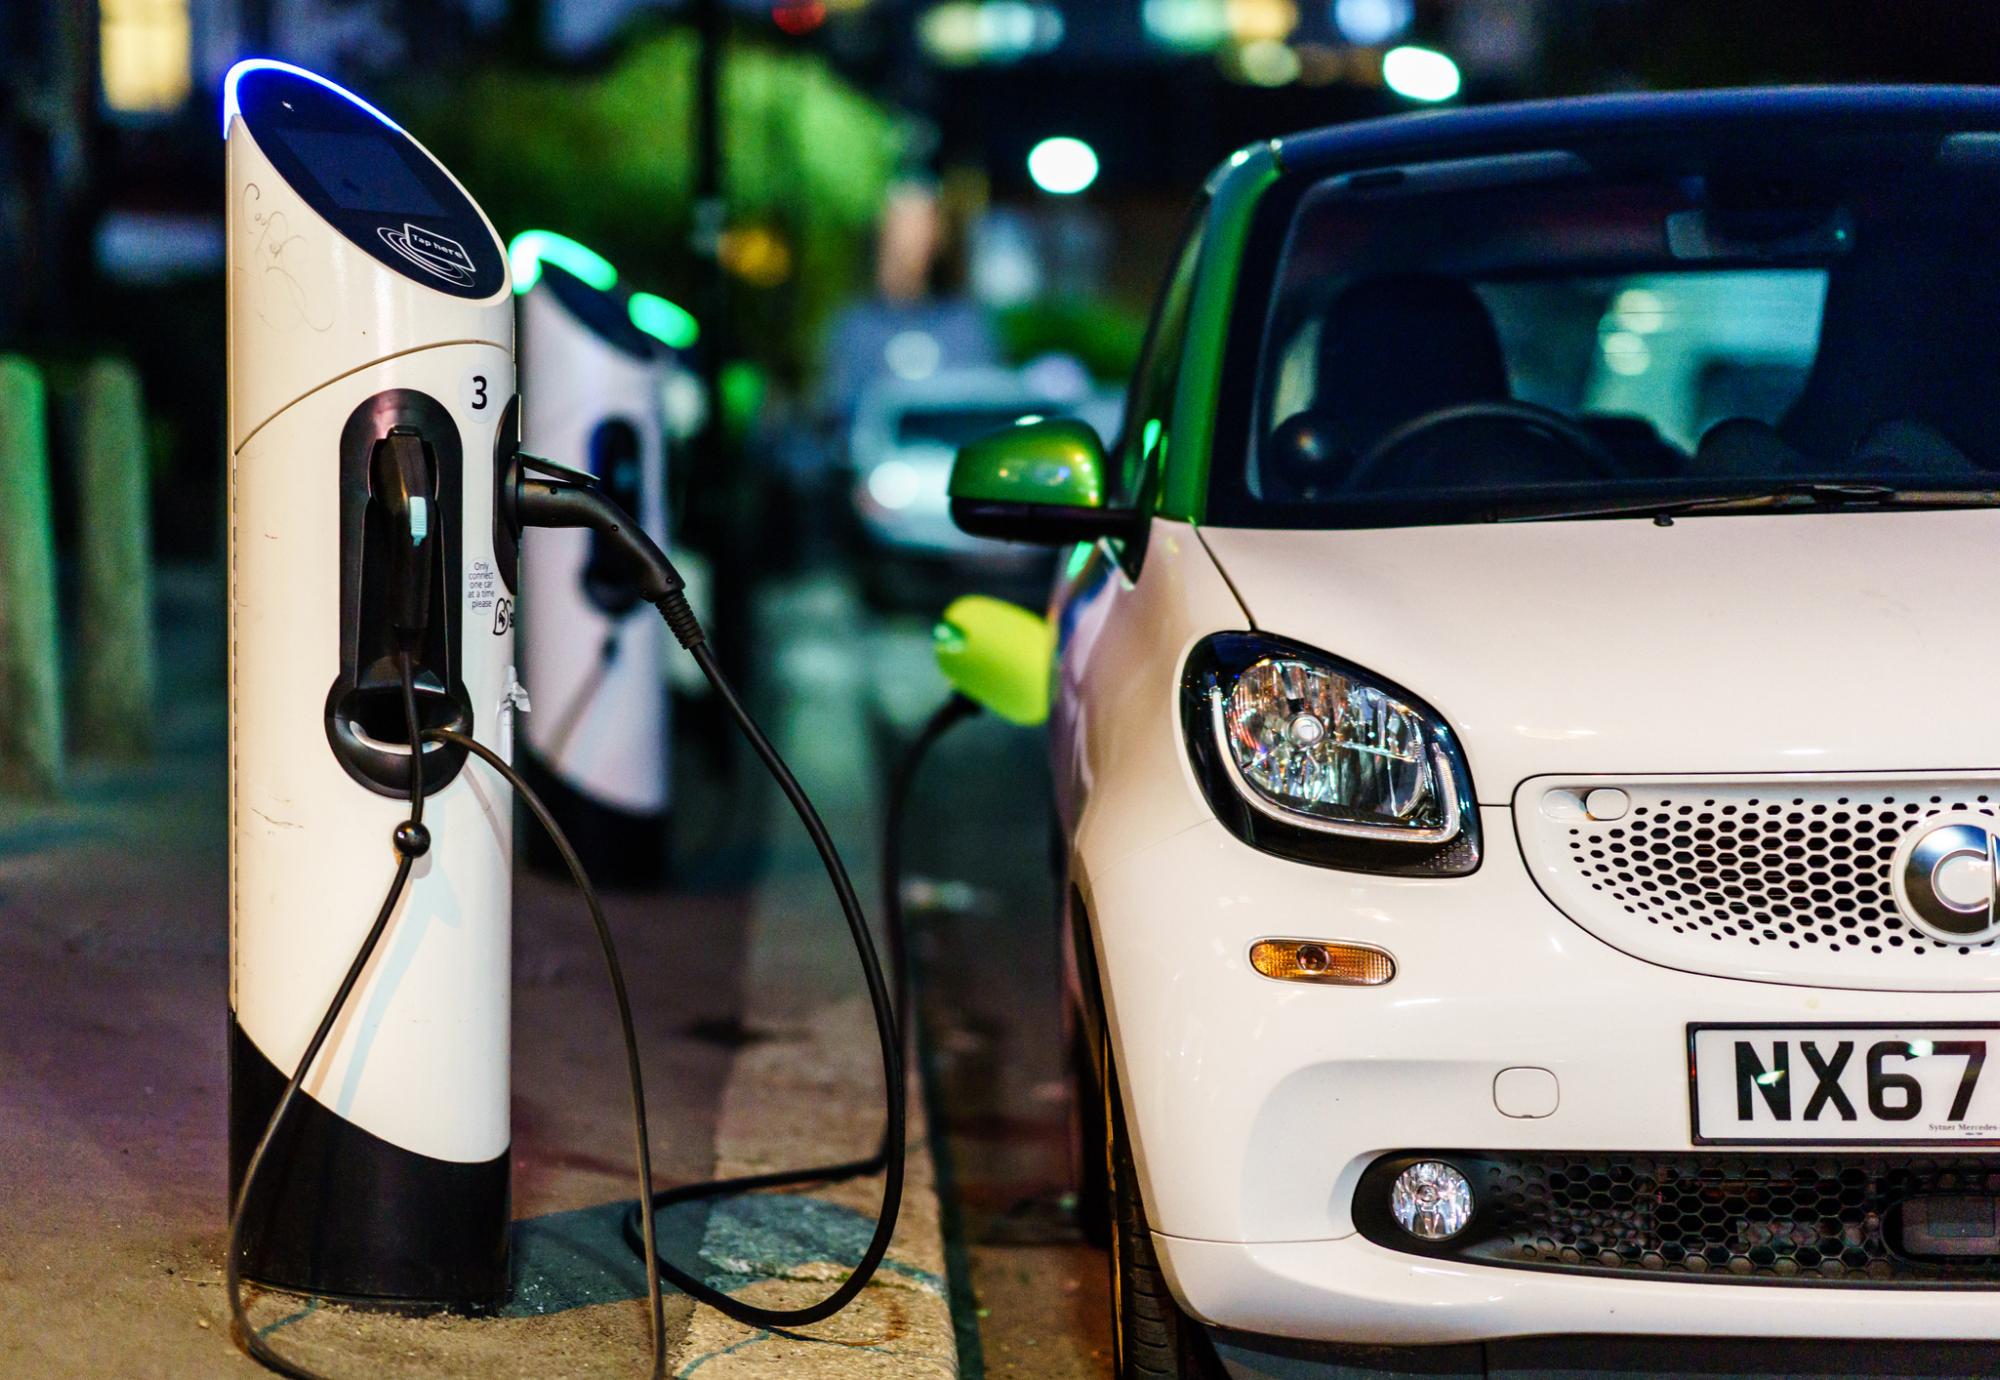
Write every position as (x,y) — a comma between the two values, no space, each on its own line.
(1354,1291)
(1255,1106)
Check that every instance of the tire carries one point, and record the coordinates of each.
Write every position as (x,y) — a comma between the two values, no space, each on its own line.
(1151,1338)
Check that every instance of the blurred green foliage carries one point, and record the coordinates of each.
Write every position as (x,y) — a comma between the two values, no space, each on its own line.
(608,157)
(744,389)
(1104,335)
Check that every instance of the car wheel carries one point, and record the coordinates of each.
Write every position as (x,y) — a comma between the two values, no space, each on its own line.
(1151,1338)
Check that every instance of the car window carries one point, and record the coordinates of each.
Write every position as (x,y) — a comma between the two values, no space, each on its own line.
(1149,412)
(1679,351)
(1686,317)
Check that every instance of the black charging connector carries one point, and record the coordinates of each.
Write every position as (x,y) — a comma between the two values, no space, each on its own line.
(400,553)
(402,478)
(542,493)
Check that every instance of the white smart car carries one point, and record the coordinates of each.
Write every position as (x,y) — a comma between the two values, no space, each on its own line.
(1527,739)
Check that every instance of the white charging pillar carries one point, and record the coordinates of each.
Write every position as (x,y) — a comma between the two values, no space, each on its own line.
(598,744)
(366,291)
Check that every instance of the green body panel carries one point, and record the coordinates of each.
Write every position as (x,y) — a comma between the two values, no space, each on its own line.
(998,655)
(1234,194)
(1057,463)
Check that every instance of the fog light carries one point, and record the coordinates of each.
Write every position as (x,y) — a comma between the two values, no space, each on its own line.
(1431,1200)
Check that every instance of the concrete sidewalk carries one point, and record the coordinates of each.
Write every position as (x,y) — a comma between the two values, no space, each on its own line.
(758,1054)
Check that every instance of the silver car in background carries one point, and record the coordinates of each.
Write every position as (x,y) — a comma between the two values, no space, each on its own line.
(900,449)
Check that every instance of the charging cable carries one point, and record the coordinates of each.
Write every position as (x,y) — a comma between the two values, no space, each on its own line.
(545,495)
(412,841)
(555,497)
(673,606)
(954,710)
(541,493)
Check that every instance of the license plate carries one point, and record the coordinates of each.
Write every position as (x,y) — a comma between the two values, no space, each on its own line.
(1843,1084)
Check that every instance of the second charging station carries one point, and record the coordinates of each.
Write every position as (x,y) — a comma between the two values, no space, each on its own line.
(598,361)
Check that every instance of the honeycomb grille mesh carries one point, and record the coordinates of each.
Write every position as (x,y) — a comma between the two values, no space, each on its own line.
(1803,1219)
(1779,879)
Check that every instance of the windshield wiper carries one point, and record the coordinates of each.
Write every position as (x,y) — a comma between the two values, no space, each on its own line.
(1787,498)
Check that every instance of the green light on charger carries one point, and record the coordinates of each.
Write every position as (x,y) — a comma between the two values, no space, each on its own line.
(530,249)
(668,322)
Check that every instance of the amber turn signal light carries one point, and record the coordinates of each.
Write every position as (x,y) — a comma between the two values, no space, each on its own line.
(1319,960)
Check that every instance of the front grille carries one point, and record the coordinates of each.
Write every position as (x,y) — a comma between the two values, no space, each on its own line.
(1785,879)
(1820,1220)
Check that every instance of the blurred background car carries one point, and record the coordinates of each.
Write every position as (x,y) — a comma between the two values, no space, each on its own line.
(899,453)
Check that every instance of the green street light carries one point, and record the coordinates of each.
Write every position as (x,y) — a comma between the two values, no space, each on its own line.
(1063,166)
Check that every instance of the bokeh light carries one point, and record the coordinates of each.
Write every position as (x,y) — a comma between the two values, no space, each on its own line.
(962,33)
(1372,22)
(1195,25)
(529,250)
(1262,21)
(1420,74)
(1268,63)
(667,322)
(1063,166)
(798,17)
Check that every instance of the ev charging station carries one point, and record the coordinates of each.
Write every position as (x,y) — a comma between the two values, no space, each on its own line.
(597,362)
(371,379)
(377,499)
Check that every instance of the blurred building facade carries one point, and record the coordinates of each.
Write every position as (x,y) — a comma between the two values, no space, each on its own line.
(110,231)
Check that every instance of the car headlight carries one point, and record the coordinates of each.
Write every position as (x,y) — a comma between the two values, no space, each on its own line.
(1306,756)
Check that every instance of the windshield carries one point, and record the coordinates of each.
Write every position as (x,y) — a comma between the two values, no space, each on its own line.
(1595,328)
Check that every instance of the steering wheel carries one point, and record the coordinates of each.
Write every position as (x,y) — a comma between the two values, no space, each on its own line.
(1539,421)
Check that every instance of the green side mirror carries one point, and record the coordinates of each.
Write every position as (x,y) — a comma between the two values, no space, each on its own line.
(1040,481)
(998,655)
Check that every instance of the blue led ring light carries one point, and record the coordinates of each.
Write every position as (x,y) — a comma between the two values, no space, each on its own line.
(231,107)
